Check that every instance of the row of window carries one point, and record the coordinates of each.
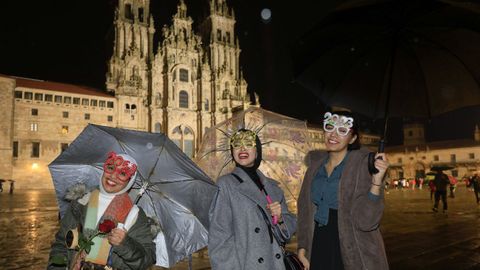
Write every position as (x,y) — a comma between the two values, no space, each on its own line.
(63,99)
(34,126)
(65,114)
(453,157)
(35,150)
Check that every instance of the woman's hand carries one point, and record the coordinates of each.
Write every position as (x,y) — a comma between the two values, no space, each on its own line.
(116,236)
(382,166)
(303,259)
(275,209)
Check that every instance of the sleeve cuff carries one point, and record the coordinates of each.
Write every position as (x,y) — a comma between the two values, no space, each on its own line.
(373,197)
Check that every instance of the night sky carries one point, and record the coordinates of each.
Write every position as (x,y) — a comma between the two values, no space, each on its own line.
(71,41)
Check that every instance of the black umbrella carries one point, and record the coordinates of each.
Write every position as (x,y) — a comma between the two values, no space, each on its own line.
(441,168)
(384,58)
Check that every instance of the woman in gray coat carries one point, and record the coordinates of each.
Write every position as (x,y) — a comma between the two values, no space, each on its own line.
(340,204)
(239,236)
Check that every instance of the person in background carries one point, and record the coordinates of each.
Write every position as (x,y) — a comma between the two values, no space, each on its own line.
(441,182)
(475,183)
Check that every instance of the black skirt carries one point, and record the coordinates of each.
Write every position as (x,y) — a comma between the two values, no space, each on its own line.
(326,253)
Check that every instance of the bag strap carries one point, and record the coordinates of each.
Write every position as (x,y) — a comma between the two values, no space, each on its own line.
(271,230)
(238,178)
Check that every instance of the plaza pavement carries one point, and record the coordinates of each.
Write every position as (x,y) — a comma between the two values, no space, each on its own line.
(415,237)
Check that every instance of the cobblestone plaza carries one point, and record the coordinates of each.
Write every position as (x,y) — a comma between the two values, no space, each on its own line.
(415,237)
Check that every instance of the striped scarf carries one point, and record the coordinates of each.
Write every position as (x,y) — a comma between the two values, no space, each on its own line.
(116,211)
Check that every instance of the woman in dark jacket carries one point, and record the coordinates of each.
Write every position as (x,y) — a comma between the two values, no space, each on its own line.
(239,237)
(340,204)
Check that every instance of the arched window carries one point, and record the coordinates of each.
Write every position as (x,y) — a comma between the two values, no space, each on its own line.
(183,99)
(188,147)
(127,106)
(183,75)
(158,127)
(184,138)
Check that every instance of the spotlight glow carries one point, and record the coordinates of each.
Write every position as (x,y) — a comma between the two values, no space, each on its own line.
(266,14)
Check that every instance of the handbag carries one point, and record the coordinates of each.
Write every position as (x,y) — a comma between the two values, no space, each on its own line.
(290,259)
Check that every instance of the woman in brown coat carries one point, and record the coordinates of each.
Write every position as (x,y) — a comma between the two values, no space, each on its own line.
(340,204)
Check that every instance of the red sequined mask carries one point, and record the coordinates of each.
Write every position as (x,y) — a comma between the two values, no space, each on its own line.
(123,169)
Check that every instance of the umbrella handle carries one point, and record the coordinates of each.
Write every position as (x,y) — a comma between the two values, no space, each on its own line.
(274,218)
(371,157)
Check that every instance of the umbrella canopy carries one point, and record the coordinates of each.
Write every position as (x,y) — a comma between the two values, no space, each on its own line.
(386,58)
(441,168)
(178,193)
(284,146)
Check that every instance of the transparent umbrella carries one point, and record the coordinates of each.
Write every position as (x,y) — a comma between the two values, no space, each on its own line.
(284,146)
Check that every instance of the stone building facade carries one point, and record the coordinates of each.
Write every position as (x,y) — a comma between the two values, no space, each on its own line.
(41,119)
(415,158)
(188,82)
(192,82)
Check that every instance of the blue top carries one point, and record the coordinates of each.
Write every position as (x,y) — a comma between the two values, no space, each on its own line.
(325,190)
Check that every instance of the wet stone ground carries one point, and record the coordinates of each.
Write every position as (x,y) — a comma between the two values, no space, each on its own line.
(415,237)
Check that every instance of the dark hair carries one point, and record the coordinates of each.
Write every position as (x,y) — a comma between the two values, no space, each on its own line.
(354,130)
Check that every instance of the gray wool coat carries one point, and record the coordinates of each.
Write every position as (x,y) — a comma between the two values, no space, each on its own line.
(238,235)
(359,216)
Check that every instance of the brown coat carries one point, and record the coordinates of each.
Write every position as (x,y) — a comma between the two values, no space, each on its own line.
(359,216)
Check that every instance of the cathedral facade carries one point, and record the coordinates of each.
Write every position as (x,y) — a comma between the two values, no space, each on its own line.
(191,82)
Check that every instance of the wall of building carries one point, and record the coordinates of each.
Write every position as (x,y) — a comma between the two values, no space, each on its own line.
(7,87)
(407,164)
(43,126)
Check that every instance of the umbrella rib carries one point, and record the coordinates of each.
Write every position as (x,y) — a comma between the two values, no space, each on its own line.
(223,167)
(427,97)
(354,65)
(156,162)
(285,185)
(170,182)
(153,205)
(213,151)
(273,141)
(448,51)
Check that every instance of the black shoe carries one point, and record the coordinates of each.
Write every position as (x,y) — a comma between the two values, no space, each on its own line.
(434,209)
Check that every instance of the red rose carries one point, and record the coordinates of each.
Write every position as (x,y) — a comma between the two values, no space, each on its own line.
(106,226)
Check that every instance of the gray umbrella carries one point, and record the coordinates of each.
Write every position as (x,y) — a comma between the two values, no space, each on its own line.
(169,187)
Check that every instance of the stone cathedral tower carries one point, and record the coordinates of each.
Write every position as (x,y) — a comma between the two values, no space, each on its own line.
(191,83)
(129,74)
(223,53)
